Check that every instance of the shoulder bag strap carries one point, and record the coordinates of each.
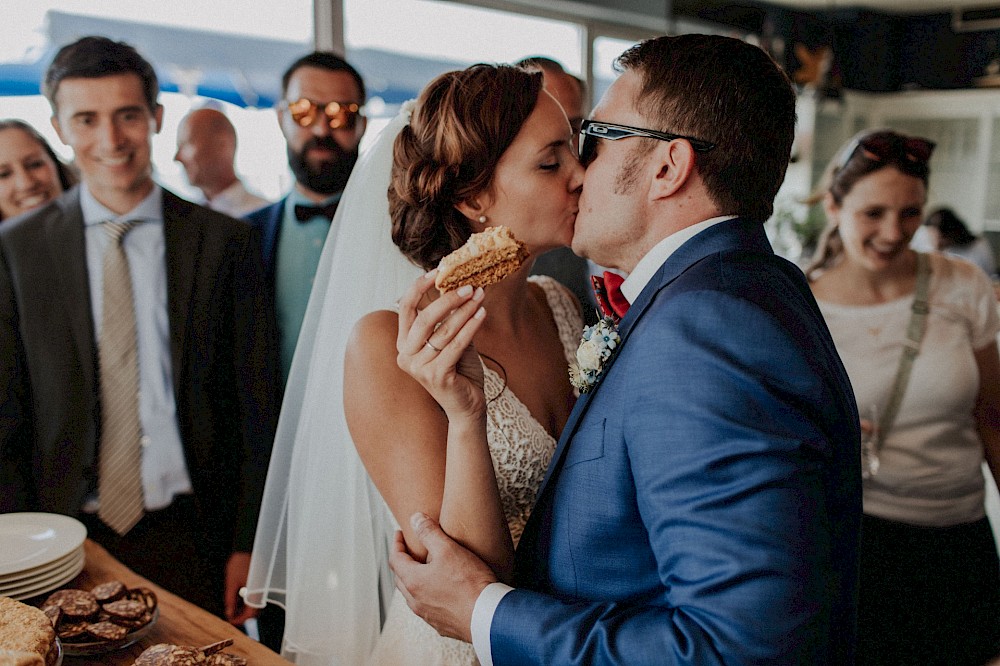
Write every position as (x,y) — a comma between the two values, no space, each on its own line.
(914,334)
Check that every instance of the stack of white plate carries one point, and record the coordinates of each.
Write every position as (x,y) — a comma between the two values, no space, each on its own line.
(40,552)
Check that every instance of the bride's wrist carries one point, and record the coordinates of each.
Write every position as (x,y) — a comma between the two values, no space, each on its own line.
(467,424)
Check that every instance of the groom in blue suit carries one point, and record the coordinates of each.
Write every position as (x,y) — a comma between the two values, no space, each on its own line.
(703,504)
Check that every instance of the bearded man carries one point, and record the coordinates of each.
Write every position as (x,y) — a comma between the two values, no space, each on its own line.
(322,118)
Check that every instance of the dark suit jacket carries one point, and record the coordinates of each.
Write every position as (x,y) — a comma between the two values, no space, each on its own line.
(703,504)
(222,345)
(267,221)
(574,273)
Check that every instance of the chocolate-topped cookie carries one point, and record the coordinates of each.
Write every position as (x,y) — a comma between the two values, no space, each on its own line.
(225,659)
(107,631)
(218,646)
(132,625)
(75,604)
(71,631)
(143,594)
(156,655)
(110,591)
(54,613)
(127,609)
(184,655)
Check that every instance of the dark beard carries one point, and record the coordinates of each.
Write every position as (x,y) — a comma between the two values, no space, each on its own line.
(332,175)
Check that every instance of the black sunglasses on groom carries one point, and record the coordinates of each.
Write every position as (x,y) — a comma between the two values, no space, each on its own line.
(591,130)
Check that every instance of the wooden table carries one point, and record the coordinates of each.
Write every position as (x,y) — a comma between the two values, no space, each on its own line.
(180,622)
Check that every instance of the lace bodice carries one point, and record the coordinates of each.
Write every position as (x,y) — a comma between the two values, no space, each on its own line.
(520,446)
(521,449)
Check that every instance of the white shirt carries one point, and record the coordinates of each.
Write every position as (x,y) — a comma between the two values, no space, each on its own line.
(236,201)
(164,471)
(931,458)
(489,598)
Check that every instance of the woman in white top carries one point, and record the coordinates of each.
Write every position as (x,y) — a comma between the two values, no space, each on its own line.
(930,576)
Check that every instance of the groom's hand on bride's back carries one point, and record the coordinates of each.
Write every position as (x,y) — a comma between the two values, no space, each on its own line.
(443,591)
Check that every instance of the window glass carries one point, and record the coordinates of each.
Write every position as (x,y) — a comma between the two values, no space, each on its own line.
(424,38)
(210,31)
(606,50)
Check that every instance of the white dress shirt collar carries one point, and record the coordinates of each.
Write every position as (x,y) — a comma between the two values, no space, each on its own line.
(651,262)
(149,209)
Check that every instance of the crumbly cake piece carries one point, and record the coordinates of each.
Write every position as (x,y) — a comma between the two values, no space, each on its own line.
(20,658)
(24,628)
(486,258)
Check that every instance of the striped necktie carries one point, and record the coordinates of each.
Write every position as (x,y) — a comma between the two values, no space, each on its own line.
(119,481)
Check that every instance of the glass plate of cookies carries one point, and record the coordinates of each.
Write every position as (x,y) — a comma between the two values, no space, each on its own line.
(108,617)
(55,654)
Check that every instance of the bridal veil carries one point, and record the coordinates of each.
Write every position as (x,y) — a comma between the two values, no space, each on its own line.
(321,549)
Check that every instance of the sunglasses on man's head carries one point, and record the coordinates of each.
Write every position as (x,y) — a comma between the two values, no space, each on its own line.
(884,146)
(591,130)
(339,115)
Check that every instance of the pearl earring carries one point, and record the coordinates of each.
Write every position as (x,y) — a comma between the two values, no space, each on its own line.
(482,219)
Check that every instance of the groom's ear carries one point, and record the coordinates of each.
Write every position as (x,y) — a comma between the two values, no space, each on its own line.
(674,163)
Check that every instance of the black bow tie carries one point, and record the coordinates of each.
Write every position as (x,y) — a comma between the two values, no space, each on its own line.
(306,213)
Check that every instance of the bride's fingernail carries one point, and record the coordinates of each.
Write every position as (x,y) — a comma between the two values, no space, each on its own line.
(479,294)
(480,313)
(465,290)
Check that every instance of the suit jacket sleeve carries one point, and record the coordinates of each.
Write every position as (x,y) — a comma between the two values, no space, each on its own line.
(16,437)
(727,460)
(257,368)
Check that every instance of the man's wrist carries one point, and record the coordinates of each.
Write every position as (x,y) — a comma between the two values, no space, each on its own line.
(482,620)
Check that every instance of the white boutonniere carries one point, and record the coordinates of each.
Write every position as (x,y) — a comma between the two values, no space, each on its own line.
(599,342)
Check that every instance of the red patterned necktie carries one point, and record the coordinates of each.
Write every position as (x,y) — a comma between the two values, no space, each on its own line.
(608,290)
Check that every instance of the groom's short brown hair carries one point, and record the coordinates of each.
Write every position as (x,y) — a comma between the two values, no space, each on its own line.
(729,93)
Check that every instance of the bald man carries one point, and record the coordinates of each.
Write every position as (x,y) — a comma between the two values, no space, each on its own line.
(568,90)
(569,269)
(206,148)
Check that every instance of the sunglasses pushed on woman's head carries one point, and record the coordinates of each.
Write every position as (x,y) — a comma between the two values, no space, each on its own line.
(886,146)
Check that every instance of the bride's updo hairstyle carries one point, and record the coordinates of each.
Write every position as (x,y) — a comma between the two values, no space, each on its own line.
(462,123)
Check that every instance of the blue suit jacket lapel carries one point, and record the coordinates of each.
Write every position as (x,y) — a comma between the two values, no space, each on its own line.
(727,235)
(269,239)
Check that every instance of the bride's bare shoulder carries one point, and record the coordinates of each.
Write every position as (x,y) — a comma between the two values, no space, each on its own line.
(371,347)
(374,330)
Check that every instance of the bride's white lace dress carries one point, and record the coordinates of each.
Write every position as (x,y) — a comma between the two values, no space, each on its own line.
(521,450)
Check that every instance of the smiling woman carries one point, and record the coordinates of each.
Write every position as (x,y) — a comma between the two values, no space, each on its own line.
(917,334)
(30,172)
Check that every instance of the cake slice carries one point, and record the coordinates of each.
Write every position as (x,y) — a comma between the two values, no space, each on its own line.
(486,258)
(24,631)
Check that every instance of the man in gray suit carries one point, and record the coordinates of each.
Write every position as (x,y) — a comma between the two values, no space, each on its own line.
(200,358)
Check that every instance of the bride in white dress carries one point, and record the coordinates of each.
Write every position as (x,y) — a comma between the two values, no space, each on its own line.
(463,434)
